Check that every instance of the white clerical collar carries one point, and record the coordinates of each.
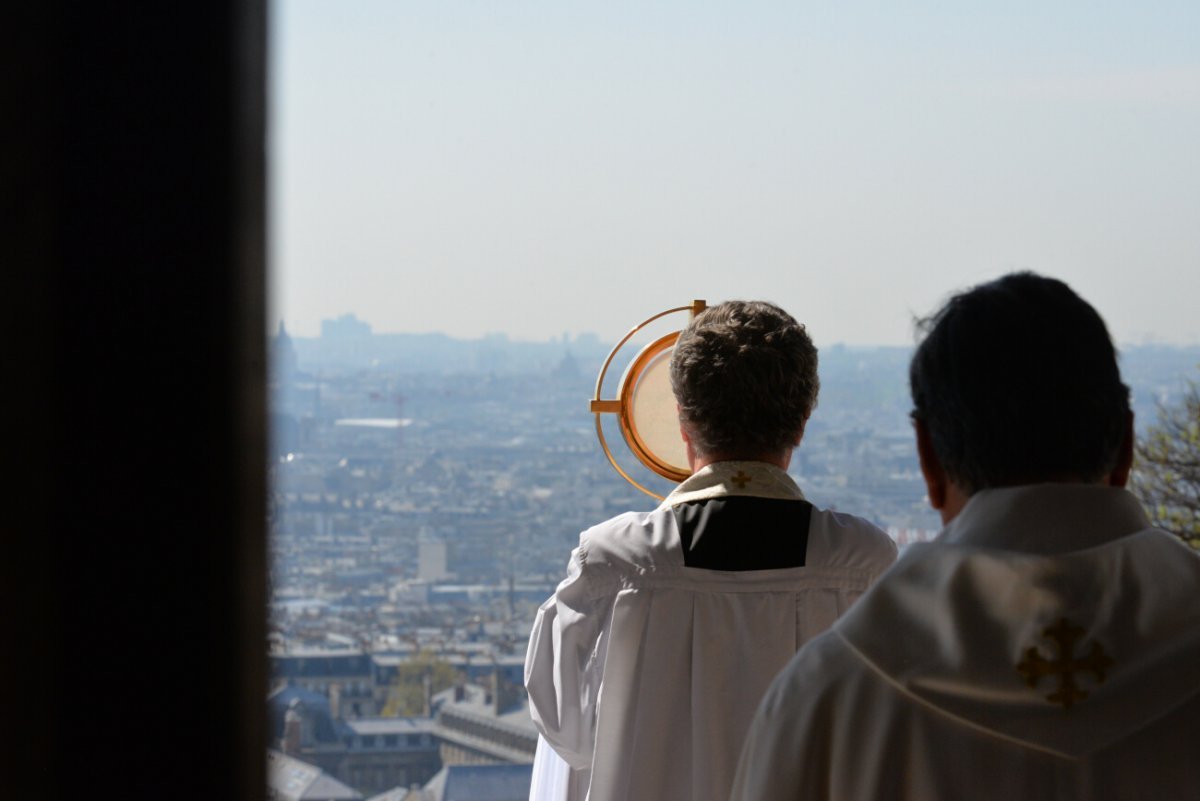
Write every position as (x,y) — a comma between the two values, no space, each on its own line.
(1046,518)
(757,479)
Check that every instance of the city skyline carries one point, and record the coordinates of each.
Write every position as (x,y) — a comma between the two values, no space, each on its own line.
(595,338)
(532,169)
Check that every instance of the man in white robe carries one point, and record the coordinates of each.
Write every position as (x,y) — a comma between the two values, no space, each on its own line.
(1047,644)
(646,665)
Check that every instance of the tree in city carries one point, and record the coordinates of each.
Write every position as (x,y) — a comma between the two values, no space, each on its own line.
(416,680)
(1166,475)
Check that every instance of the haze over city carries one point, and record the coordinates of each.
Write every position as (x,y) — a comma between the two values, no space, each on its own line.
(535,169)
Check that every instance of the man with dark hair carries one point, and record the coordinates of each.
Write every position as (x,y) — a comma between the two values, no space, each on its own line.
(745,378)
(1047,644)
(646,665)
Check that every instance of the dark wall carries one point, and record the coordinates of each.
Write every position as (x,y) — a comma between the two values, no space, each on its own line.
(133,569)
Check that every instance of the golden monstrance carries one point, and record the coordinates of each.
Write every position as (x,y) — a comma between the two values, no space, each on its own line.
(645,405)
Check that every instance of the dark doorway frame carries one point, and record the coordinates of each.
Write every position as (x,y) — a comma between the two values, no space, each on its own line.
(134,567)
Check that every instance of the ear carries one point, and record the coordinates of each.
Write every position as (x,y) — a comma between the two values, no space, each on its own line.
(936,483)
(1119,477)
(800,434)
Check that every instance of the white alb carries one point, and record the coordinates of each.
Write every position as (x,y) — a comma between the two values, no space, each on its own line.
(644,674)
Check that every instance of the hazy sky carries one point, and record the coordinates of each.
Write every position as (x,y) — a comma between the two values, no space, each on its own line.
(537,168)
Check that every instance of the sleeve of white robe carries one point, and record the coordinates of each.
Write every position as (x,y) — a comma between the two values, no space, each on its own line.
(565,661)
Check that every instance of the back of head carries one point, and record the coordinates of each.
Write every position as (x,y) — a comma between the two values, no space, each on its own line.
(1017,383)
(745,376)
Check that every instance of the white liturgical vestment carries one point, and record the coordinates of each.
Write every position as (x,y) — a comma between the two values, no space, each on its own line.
(1045,646)
(645,667)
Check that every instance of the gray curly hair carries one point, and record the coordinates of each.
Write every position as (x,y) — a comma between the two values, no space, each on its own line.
(745,376)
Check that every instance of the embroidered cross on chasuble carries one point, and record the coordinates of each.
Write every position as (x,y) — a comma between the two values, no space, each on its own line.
(1035,667)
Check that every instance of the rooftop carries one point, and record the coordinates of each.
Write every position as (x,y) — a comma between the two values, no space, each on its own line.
(481,783)
(289,779)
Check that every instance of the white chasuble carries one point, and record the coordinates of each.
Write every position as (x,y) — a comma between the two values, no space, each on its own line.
(1045,646)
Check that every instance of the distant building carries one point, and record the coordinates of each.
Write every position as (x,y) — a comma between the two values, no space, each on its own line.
(343,677)
(485,725)
(289,779)
(480,783)
(284,364)
(483,593)
(567,367)
(402,794)
(369,754)
(476,667)
(414,593)
(389,752)
(468,783)
(431,560)
(286,401)
(345,327)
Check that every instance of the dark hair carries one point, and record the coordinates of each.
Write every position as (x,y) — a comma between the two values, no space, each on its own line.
(745,376)
(1017,382)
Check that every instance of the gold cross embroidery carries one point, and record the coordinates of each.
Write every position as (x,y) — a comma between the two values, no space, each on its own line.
(741,479)
(1034,666)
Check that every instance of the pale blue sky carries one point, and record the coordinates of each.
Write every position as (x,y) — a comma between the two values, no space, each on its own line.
(536,167)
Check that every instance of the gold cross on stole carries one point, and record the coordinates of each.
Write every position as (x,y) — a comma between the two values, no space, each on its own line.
(1034,666)
(741,479)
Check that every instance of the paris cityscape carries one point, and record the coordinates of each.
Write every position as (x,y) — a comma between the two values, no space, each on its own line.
(426,494)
